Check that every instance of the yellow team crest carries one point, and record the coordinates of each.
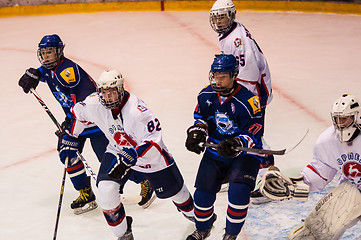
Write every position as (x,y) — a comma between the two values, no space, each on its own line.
(68,75)
(255,104)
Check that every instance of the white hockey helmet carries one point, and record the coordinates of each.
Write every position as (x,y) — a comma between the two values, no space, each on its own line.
(346,117)
(109,81)
(222,16)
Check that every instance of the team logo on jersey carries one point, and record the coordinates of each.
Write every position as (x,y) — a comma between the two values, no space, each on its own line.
(62,98)
(123,139)
(224,124)
(233,108)
(68,75)
(142,108)
(237,42)
(255,104)
(352,171)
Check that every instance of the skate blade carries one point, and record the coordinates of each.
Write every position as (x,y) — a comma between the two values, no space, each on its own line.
(224,188)
(86,208)
(151,200)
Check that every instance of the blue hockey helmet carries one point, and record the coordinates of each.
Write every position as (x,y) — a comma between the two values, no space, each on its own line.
(223,63)
(55,48)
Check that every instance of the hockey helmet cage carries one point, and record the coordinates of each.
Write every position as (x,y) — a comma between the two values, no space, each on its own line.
(51,42)
(222,15)
(346,117)
(108,80)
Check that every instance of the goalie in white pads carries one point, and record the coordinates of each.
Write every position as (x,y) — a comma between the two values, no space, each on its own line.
(135,142)
(337,150)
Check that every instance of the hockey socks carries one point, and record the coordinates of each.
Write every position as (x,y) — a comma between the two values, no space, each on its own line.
(77,175)
(238,202)
(203,209)
(116,220)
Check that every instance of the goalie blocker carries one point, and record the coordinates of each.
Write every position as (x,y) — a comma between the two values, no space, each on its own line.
(277,186)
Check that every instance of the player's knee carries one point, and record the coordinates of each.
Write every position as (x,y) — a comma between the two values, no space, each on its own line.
(108,194)
(246,179)
(182,196)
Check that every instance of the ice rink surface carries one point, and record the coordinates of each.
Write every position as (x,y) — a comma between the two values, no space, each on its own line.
(165,58)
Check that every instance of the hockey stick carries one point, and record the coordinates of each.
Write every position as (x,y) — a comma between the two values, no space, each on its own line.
(47,110)
(262,151)
(60,200)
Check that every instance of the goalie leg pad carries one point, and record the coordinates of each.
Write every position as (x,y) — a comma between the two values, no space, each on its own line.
(335,212)
(301,232)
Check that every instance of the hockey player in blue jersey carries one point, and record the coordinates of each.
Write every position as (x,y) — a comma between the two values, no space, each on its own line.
(70,84)
(229,115)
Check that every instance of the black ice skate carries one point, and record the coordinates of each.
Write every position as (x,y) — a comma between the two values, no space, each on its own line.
(200,235)
(257,198)
(190,218)
(85,202)
(227,236)
(147,194)
(128,235)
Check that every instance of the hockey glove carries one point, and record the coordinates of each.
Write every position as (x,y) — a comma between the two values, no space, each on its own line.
(121,163)
(68,147)
(228,148)
(196,134)
(277,186)
(30,79)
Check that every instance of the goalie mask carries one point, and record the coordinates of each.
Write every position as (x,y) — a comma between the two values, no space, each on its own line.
(110,88)
(222,16)
(224,71)
(346,117)
(50,51)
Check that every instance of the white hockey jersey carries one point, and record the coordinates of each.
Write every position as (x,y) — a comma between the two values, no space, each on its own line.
(254,72)
(135,126)
(330,156)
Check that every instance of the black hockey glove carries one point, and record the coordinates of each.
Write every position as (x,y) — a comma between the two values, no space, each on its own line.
(65,127)
(196,134)
(121,163)
(68,147)
(228,148)
(30,79)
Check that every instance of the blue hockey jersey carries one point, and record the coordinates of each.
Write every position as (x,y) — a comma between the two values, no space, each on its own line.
(238,115)
(69,84)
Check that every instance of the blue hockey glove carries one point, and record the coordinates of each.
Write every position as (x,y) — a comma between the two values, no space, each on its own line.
(121,163)
(67,148)
(196,134)
(30,79)
(228,148)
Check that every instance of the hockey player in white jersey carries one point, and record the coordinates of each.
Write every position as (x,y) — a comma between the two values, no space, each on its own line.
(337,150)
(135,141)
(254,73)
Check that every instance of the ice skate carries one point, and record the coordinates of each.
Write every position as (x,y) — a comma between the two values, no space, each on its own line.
(227,236)
(257,198)
(128,235)
(190,218)
(199,235)
(147,193)
(85,202)
(224,187)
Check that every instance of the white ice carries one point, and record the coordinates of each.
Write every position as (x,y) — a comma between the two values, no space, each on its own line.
(165,57)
